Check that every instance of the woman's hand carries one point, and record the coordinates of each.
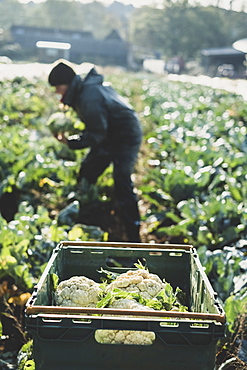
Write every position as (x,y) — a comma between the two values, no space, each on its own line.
(62,138)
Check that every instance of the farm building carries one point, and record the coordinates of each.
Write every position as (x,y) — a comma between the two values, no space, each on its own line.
(112,50)
(224,62)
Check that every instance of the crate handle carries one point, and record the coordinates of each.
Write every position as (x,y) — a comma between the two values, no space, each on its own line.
(31,310)
(186,247)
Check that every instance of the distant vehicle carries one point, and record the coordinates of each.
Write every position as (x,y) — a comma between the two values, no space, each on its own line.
(226,70)
(5,60)
(175,65)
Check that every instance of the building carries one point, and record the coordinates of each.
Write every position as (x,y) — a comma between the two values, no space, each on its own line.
(112,50)
(227,62)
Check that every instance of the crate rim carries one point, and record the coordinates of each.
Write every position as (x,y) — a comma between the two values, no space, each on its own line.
(31,310)
(124,245)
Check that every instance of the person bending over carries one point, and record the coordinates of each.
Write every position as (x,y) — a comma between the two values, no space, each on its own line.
(112,132)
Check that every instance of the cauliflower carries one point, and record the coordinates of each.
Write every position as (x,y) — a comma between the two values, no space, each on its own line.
(78,291)
(125,336)
(64,122)
(140,281)
(59,122)
(144,338)
(128,304)
(134,290)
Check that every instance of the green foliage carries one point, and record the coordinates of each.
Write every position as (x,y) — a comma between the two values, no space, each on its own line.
(165,300)
(26,243)
(192,176)
(235,305)
(195,177)
(25,357)
(37,174)
(197,151)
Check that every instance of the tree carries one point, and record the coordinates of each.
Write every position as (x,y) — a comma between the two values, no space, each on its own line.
(11,11)
(61,14)
(57,14)
(192,29)
(146,29)
(174,29)
(179,29)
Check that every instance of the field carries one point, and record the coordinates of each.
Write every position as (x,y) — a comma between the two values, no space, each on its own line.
(190,178)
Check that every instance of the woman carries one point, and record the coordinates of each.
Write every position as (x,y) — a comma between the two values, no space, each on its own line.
(112,131)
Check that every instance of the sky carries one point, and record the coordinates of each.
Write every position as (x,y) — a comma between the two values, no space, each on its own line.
(237,4)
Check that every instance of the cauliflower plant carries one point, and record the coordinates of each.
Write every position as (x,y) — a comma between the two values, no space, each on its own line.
(78,291)
(59,122)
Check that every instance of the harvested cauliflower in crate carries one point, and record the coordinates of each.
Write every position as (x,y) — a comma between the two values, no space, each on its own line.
(78,291)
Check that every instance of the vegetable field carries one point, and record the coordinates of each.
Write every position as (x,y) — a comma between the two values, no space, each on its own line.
(191,179)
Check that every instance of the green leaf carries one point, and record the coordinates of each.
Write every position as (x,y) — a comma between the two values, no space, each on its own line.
(54,282)
(29,365)
(76,233)
(236,193)
(234,306)
(108,274)
(140,266)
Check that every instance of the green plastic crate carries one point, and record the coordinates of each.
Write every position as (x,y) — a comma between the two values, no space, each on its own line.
(64,339)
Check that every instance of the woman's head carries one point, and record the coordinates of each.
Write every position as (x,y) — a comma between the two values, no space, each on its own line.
(61,74)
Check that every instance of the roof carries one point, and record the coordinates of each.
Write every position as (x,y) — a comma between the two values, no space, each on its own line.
(221,51)
(48,30)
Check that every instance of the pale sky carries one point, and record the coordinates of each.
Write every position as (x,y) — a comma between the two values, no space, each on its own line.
(237,5)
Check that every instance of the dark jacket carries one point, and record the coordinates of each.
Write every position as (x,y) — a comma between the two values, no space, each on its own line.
(109,120)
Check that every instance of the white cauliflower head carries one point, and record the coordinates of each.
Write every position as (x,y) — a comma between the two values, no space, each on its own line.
(138,281)
(78,291)
(128,304)
(134,337)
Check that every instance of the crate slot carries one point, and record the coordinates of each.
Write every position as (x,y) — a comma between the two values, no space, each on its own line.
(175,254)
(199,326)
(169,324)
(82,321)
(51,320)
(124,262)
(157,254)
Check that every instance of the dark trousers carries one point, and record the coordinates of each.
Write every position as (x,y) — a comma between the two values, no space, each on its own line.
(123,158)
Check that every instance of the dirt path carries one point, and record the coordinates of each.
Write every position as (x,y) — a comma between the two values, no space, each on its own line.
(28,70)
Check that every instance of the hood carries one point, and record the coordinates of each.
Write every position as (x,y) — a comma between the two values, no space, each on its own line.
(77,85)
(93,78)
